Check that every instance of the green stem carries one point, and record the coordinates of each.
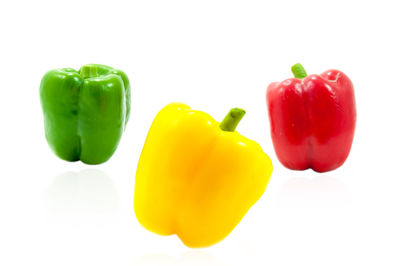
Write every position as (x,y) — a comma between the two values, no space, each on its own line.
(89,71)
(232,119)
(298,71)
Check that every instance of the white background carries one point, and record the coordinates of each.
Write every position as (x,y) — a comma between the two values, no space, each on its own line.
(212,55)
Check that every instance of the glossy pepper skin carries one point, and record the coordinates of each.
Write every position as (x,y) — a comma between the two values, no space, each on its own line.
(197,178)
(312,119)
(85,111)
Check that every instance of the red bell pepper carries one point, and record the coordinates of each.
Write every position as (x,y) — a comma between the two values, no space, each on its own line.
(312,119)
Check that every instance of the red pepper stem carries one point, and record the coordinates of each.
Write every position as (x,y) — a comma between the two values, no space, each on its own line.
(298,71)
(232,119)
(89,71)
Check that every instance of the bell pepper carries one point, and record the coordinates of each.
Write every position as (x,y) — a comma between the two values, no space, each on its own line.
(312,119)
(197,178)
(85,111)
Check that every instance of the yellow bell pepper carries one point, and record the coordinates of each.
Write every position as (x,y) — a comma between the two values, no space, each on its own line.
(197,178)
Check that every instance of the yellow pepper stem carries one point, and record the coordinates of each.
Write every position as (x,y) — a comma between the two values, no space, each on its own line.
(232,119)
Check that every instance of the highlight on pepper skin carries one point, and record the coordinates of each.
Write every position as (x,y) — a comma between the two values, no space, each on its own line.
(196,177)
(85,112)
(312,119)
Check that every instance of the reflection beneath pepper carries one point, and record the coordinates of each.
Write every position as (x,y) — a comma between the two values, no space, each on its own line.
(189,258)
(87,193)
(319,192)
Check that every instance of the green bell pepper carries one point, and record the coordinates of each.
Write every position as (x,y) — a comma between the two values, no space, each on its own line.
(85,112)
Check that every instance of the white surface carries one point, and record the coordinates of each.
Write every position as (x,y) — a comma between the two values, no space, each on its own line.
(212,55)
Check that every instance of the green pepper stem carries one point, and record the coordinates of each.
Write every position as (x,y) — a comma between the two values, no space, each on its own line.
(89,71)
(298,71)
(232,119)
